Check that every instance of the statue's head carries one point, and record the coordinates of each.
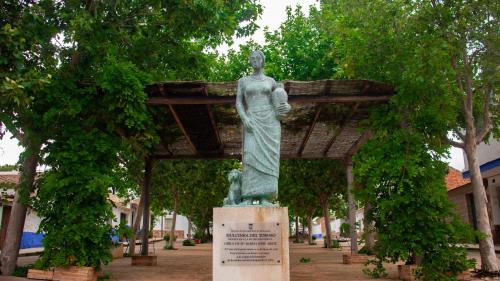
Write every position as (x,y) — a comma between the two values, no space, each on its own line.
(234,175)
(257,59)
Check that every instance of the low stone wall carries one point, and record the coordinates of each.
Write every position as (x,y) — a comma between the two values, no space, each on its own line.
(158,233)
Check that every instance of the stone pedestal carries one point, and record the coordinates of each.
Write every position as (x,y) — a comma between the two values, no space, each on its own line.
(251,244)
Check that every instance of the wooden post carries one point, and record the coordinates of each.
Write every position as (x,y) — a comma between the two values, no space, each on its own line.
(145,213)
(351,206)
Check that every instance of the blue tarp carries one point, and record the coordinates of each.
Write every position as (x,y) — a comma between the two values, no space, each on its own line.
(31,240)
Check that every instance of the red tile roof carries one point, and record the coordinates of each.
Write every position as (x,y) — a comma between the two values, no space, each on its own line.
(9,178)
(455,179)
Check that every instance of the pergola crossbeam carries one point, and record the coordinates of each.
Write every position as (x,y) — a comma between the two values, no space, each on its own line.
(212,121)
(211,100)
(357,145)
(181,126)
(319,108)
(341,128)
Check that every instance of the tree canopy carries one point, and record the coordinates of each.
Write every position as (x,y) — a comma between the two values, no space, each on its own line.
(90,59)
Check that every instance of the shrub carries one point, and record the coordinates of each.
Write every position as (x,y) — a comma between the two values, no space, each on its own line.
(187,242)
(305,260)
(22,271)
(167,238)
(365,250)
(335,244)
(204,238)
(168,247)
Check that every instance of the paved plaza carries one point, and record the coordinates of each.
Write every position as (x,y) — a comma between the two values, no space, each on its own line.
(195,264)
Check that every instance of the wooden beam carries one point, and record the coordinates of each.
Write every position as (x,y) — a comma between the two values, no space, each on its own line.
(196,156)
(212,120)
(230,156)
(181,126)
(319,108)
(341,128)
(357,145)
(292,99)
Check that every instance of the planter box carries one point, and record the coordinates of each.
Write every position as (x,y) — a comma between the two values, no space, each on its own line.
(407,272)
(197,241)
(75,273)
(144,260)
(117,251)
(40,274)
(355,259)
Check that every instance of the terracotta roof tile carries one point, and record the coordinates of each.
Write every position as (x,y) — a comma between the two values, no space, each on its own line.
(455,179)
(9,178)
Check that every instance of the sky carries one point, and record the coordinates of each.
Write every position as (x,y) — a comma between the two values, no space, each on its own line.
(273,15)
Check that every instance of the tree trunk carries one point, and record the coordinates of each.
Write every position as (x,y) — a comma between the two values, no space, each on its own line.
(174,217)
(351,207)
(369,229)
(297,240)
(14,233)
(137,223)
(486,246)
(190,227)
(303,230)
(145,196)
(309,229)
(172,230)
(161,225)
(326,215)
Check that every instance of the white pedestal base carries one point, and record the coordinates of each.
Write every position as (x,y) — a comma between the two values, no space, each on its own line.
(279,270)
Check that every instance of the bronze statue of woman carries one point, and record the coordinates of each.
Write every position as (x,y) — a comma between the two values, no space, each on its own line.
(260,102)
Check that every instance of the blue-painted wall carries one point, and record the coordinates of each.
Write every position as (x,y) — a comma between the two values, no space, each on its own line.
(31,240)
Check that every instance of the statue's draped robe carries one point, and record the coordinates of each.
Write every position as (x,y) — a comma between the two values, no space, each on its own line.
(261,148)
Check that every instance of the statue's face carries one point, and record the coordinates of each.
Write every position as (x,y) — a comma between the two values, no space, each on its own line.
(255,60)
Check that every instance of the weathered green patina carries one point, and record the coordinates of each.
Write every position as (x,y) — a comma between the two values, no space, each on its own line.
(260,102)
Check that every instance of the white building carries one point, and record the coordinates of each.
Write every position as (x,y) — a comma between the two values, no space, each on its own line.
(123,212)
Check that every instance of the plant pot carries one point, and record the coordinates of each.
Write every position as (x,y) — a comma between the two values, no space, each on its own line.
(144,260)
(117,251)
(75,273)
(197,241)
(355,259)
(40,274)
(407,272)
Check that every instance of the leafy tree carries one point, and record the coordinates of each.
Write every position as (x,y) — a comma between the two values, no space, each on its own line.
(305,183)
(22,77)
(299,49)
(412,45)
(191,188)
(8,167)
(415,221)
(100,55)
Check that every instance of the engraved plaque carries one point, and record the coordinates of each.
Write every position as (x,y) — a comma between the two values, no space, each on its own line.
(251,243)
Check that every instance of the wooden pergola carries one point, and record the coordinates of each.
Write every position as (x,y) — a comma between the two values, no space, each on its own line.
(198,120)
